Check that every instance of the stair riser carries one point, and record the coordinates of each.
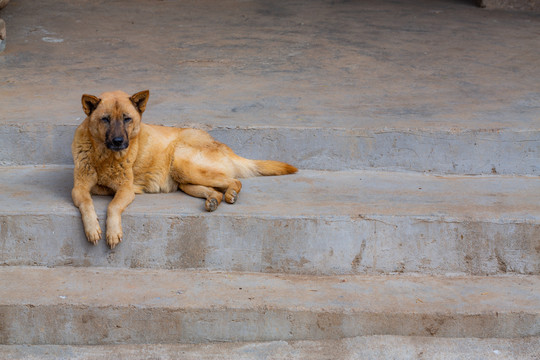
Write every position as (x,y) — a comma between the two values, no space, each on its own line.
(72,325)
(290,245)
(468,152)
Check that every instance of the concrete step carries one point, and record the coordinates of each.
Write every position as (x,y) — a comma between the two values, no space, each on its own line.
(92,306)
(324,85)
(308,223)
(366,348)
(438,151)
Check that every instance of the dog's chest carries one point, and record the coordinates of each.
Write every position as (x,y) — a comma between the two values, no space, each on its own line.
(113,175)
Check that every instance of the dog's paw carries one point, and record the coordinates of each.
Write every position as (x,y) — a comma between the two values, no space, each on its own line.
(114,231)
(92,229)
(211,204)
(231,196)
(93,235)
(114,239)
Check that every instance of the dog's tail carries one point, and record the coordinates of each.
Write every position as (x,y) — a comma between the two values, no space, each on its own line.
(247,168)
(272,167)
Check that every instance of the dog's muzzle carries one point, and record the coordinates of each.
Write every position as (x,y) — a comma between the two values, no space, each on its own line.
(117,144)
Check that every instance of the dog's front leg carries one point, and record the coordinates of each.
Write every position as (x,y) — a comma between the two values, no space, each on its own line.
(83,200)
(123,197)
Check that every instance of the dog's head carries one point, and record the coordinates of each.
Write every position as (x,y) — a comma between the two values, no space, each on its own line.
(115,117)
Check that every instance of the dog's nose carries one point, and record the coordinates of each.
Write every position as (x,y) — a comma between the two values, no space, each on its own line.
(117,141)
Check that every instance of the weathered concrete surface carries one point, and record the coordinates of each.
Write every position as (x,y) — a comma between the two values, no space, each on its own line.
(109,306)
(438,86)
(361,348)
(309,223)
(527,5)
(504,151)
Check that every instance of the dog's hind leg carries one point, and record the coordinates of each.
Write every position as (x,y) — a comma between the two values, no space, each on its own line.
(232,188)
(208,175)
(211,179)
(213,197)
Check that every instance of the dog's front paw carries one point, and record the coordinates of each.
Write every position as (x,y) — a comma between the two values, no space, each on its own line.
(114,238)
(93,235)
(114,231)
(92,229)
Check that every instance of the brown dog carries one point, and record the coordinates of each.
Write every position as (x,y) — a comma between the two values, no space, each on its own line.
(116,154)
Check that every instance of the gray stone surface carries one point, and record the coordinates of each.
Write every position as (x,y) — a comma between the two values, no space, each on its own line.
(360,348)
(505,151)
(520,5)
(436,86)
(72,306)
(309,223)
(426,86)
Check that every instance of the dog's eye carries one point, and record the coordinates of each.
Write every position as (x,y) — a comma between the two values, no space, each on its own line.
(127,119)
(106,119)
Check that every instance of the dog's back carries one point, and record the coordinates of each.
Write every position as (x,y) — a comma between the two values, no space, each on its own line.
(161,146)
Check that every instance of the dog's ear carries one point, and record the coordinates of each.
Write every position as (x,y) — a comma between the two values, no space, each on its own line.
(89,103)
(140,99)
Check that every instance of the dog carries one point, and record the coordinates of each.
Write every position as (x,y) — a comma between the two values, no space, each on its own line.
(114,153)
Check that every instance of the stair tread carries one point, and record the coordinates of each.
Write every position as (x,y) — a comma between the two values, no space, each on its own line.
(367,347)
(319,194)
(275,68)
(190,306)
(206,289)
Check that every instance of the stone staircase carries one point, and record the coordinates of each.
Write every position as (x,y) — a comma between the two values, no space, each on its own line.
(412,230)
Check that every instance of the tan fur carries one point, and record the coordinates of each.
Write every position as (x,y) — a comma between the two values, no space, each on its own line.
(116,154)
